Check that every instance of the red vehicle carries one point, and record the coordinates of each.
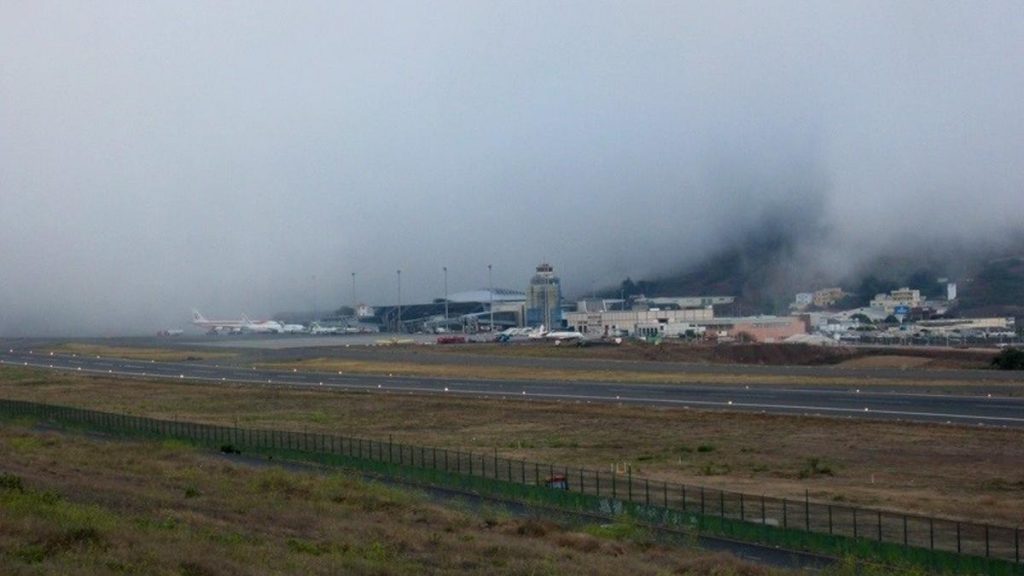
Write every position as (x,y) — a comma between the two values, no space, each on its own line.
(451,339)
(557,481)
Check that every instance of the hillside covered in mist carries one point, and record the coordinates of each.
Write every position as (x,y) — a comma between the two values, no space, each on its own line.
(766,268)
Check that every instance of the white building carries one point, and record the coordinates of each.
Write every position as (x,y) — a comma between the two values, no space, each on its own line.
(635,322)
(802,301)
(900,297)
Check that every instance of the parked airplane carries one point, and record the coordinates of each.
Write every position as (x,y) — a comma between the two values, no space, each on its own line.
(217,326)
(261,326)
(319,330)
(538,333)
(293,329)
(564,335)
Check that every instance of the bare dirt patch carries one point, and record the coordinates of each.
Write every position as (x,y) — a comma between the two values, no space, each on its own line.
(896,362)
(750,354)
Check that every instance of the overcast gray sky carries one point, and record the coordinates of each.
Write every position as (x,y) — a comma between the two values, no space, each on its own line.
(159,156)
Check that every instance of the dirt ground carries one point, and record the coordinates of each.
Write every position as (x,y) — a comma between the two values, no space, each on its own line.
(970,473)
(759,354)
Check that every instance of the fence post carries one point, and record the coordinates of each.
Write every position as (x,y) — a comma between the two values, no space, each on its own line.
(664,486)
(957,537)
(1016,545)
(647,492)
(785,515)
(613,482)
(582,490)
(986,541)
(597,481)
(879,525)
(931,534)
(684,497)
(905,540)
(742,512)
(721,508)
(854,522)
(701,500)
(764,517)
(629,471)
(807,510)
(829,518)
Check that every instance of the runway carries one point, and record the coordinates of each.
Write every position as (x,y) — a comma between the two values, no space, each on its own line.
(972,410)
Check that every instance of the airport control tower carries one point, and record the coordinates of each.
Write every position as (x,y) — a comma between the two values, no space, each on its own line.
(544,298)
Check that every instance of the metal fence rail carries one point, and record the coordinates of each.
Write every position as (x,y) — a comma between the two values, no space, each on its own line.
(888,536)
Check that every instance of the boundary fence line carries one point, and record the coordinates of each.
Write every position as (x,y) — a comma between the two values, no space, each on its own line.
(795,524)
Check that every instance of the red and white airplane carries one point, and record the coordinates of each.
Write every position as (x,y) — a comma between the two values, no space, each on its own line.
(216,326)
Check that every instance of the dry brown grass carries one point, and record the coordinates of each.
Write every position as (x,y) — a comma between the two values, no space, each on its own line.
(137,353)
(87,506)
(624,375)
(702,353)
(962,472)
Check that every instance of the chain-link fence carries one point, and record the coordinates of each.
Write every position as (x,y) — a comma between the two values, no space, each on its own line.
(799,524)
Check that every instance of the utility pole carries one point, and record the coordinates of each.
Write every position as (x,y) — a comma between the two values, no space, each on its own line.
(354,295)
(398,325)
(490,283)
(445,297)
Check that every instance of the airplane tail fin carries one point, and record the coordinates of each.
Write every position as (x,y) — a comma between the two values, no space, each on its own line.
(197,316)
(246,319)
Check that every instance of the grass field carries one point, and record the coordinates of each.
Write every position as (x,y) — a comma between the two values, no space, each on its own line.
(138,353)
(623,375)
(73,504)
(960,472)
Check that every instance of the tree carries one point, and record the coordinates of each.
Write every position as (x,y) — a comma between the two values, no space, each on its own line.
(861,318)
(1009,359)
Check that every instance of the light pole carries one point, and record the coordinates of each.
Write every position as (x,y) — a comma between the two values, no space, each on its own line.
(398,325)
(314,297)
(353,295)
(445,297)
(490,290)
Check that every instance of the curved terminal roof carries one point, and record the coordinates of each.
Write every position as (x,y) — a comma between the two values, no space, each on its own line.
(484,296)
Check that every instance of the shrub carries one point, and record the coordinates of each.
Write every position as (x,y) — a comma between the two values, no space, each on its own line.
(11,482)
(815,467)
(1009,359)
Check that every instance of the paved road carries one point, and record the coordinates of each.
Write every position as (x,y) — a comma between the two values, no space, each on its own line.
(953,409)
